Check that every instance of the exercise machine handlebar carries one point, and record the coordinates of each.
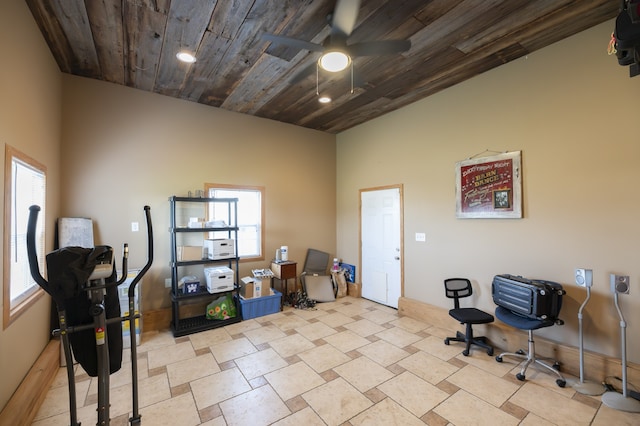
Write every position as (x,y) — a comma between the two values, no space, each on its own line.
(33,256)
(31,250)
(138,277)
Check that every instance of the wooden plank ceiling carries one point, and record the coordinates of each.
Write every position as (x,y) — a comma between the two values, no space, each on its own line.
(134,43)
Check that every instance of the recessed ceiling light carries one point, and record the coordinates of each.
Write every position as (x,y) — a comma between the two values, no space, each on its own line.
(186,57)
(324,99)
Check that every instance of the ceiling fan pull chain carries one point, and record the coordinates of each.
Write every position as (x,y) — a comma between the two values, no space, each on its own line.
(352,77)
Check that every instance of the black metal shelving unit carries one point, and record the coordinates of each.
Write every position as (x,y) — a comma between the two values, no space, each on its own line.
(181,325)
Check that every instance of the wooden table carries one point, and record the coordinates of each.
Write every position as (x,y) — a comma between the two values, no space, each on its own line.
(284,271)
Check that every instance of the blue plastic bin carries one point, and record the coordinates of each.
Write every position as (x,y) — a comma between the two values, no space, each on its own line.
(260,306)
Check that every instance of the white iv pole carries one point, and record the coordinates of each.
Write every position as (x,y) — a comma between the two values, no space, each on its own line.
(623,402)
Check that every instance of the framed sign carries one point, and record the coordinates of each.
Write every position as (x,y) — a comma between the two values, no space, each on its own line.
(490,187)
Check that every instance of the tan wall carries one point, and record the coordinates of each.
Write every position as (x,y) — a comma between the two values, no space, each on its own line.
(569,108)
(573,111)
(124,148)
(30,96)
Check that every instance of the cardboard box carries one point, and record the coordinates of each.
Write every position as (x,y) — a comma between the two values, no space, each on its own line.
(247,290)
(354,289)
(262,286)
(219,279)
(220,248)
(255,287)
(187,253)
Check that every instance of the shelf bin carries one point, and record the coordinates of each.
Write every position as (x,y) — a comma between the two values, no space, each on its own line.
(260,306)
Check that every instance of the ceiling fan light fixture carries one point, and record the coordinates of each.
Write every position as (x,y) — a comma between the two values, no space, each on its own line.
(334,61)
(186,57)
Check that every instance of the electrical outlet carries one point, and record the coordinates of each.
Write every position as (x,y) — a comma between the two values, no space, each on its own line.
(167,283)
(134,227)
(420,236)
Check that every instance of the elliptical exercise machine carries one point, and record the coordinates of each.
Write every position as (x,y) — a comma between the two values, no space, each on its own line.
(83,284)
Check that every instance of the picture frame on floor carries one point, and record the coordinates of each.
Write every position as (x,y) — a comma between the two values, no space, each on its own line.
(349,272)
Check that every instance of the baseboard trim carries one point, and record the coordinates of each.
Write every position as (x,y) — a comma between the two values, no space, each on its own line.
(26,400)
(597,366)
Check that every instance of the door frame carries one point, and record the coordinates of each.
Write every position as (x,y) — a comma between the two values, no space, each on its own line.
(401,193)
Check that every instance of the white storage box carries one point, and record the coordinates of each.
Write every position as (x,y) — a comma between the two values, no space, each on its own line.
(219,279)
(221,248)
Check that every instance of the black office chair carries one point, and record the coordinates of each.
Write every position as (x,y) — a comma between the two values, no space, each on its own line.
(456,288)
(529,324)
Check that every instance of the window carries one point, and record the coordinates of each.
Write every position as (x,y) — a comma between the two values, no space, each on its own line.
(250,216)
(25,184)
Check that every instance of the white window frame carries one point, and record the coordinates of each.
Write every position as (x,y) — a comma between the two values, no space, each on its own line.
(215,190)
(20,291)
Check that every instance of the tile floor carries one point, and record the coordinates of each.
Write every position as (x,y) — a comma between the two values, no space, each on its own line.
(350,362)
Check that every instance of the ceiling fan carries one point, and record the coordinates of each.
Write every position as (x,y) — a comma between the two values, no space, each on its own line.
(336,52)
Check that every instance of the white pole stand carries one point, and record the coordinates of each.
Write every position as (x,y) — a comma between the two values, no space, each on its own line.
(615,400)
(583,387)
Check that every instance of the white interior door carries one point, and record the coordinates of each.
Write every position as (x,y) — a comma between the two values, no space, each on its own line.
(381,245)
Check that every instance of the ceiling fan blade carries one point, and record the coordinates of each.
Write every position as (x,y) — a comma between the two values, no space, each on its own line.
(293,42)
(306,72)
(380,47)
(345,16)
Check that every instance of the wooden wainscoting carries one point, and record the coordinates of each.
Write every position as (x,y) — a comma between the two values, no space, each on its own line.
(156,320)
(505,338)
(25,402)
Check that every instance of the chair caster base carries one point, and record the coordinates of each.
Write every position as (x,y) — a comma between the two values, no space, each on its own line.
(561,383)
(479,341)
(499,358)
